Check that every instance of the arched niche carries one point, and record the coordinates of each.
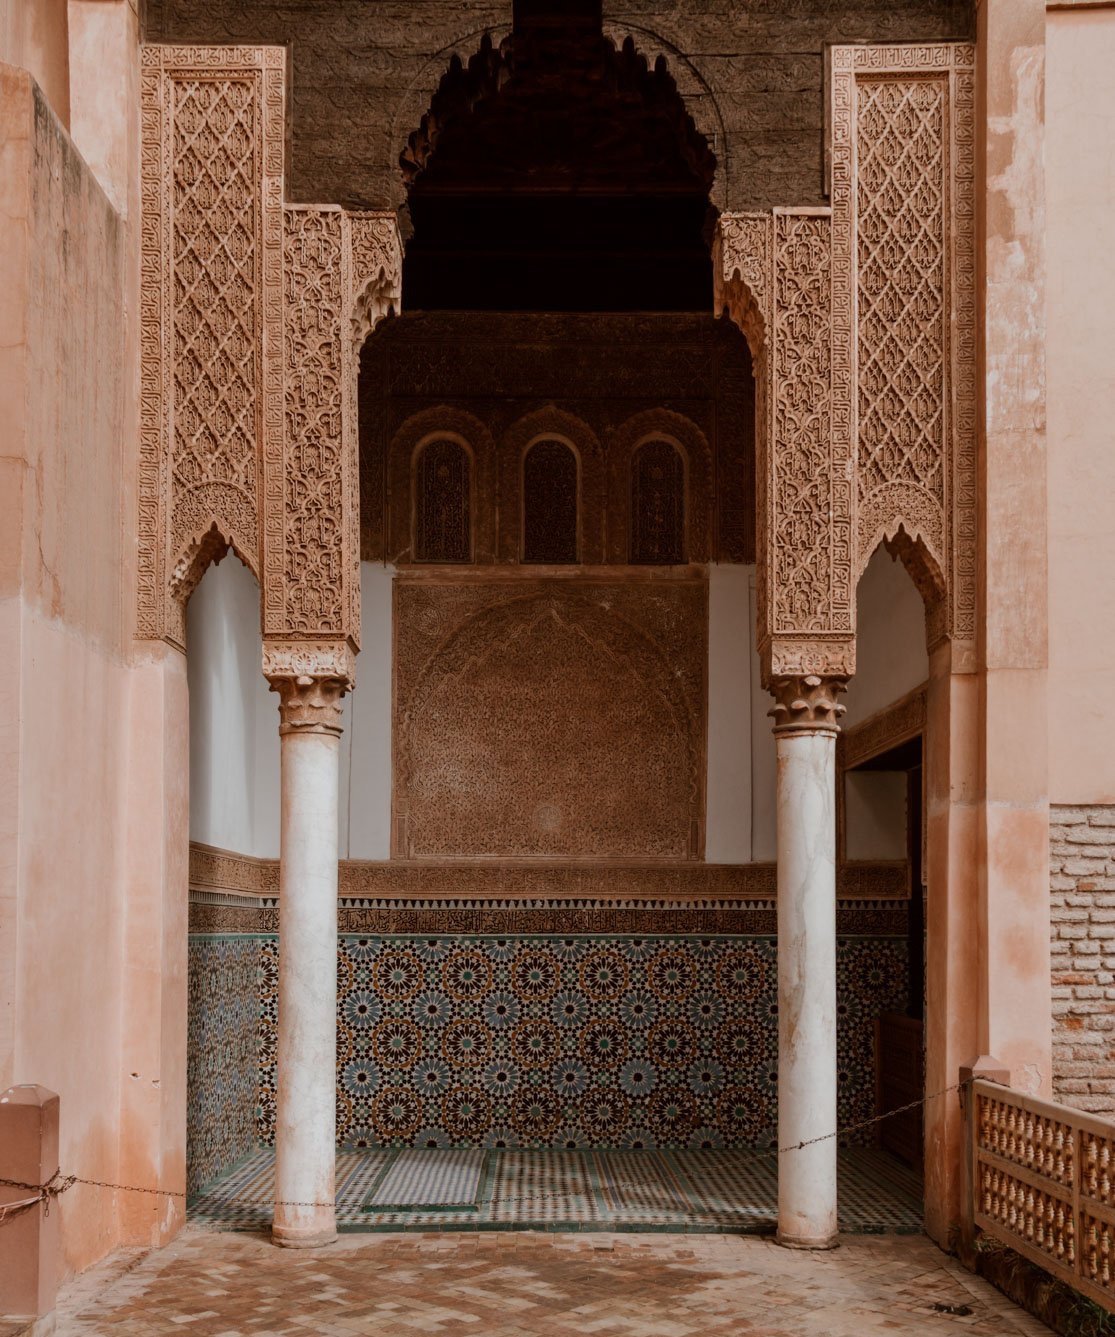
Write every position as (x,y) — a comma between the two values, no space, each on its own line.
(551,503)
(556,425)
(442,500)
(558,171)
(656,529)
(404,453)
(681,435)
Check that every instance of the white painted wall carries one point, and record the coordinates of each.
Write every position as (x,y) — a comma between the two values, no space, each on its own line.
(764,847)
(891,657)
(730,633)
(234,741)
(366,752)
(875,815)
(891,660)
(234,719)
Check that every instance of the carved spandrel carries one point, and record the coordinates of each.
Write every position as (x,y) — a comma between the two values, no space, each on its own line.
(903,221)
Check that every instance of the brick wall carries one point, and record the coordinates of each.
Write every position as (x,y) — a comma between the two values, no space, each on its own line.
(1082,882)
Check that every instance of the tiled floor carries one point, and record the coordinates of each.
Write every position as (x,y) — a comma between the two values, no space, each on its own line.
(678,1191)
(540,1284)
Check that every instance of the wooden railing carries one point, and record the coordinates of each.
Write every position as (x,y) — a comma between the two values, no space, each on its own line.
(1043,1182)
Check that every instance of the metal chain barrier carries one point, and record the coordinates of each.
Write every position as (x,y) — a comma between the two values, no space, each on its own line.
(58,1184)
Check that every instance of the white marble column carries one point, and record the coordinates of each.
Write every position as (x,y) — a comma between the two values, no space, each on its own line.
(805,729)
(305,1124)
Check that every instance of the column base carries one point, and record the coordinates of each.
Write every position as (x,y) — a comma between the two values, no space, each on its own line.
(303,1237)
(817,1242)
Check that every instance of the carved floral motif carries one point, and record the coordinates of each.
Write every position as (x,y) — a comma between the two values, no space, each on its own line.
(310,678)
(307,594)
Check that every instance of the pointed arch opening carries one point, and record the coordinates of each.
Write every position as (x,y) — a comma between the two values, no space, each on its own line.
(558,171)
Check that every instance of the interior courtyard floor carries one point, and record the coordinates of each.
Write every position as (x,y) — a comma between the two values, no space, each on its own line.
(706,1191)
(535,1284)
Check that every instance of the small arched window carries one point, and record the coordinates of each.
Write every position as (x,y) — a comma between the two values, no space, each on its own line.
(657,532)
(550,487)
(443,503)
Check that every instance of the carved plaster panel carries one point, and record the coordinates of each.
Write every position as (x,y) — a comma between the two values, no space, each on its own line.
(550,717)
(777,280)
(308,577)
(903,222)
(341,275)
(210,318)
(252,316)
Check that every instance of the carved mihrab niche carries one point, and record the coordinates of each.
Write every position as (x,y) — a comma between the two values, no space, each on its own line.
(550,718)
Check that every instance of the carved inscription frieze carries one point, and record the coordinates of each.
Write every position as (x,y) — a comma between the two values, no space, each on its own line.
(554,717)
(210,318)
(903,221)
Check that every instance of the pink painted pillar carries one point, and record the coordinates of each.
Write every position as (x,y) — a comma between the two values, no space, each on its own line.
(30,1240)
(1014,1003)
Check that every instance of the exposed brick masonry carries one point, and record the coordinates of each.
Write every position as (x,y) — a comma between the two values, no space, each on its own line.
(1082,883)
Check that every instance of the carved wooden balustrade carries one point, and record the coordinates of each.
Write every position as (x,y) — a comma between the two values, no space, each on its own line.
(1043,1182)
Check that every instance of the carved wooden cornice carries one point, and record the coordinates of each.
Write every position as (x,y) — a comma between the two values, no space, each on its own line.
(886,729)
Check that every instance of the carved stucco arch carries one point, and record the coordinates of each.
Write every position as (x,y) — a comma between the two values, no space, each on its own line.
(694,89)
(248,436)
(481,75)
(556,424)
(442,420)
(776,279)
(691,443)
(925,571)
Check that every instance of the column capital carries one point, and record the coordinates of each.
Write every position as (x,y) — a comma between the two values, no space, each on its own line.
(806,704)
(310,677)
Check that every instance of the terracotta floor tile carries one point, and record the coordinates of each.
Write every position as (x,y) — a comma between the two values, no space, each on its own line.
(519,1284)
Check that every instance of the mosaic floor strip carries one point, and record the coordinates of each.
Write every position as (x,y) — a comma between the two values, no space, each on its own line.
(430,1179)
(674,1191)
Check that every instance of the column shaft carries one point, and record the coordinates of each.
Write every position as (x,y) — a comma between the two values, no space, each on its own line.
(305,1124)
(806,824)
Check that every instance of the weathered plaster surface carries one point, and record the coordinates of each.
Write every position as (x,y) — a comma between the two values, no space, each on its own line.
(1080,186)
(65,713)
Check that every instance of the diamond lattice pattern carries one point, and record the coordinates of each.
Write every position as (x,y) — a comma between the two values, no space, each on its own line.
(900,144)
(215,302)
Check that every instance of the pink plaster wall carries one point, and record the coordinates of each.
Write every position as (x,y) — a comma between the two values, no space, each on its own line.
(34,36)
(1080,193)
(64,710)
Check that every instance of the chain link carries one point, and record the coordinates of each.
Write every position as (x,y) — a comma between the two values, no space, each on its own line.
(58,1183)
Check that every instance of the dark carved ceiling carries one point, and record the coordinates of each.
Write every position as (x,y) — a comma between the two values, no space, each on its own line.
(557,172)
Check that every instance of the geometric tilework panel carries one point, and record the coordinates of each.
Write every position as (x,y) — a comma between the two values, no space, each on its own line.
(222,1063)
(546,1041)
